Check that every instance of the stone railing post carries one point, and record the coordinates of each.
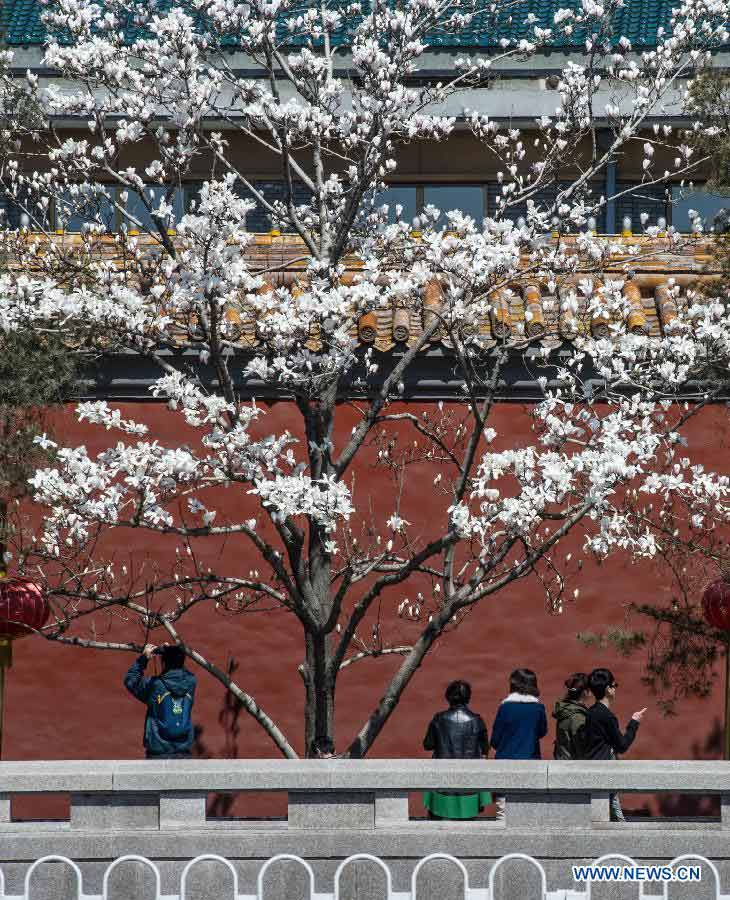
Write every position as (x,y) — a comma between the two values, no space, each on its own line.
(116,811)
(332,810)
(725,810)
(537,809)
(391,808)
(183,809)
(600,807)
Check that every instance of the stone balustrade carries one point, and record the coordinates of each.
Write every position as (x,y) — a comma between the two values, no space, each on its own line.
(556,812)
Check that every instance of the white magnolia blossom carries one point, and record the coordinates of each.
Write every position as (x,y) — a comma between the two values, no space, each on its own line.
(323,501)
(194,298)
(99,414)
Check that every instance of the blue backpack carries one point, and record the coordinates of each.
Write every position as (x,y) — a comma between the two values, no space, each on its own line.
(173,715)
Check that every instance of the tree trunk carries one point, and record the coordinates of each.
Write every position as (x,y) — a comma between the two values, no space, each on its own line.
(319,712)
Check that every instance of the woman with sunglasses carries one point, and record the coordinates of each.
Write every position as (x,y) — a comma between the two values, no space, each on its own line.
(603,737)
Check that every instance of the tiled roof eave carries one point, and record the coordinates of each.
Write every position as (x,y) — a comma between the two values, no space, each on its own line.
(528,312)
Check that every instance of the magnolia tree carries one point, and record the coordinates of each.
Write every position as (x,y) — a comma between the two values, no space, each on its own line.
(339,100)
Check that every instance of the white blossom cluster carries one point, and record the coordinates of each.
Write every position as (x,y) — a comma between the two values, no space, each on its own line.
(591,457)
(324,501)
(139,485)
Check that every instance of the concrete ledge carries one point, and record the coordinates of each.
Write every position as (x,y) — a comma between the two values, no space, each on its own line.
(333,775)
(472,840)
(681,776)
(453,774)
(220,775)
(57,776)
(210,775)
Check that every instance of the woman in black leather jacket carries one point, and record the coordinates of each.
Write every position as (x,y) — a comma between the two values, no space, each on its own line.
(456,733)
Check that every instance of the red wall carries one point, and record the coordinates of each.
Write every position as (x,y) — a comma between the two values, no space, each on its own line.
(67,702)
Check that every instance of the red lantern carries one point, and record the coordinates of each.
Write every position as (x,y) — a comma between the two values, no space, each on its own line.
(716,604)
(22,607)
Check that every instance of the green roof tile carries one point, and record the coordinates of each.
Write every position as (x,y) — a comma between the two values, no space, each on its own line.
(638,21)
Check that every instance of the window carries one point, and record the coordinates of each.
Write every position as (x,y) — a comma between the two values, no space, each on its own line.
(83,205)
(498,210)
(260,219)
(542,199)
(13,212)
(650,199)
(706,204)
(404,195)
(155,194)
(9,212)
(191,193)
(468,198)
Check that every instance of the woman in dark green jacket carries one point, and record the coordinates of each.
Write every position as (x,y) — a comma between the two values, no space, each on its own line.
(570,715)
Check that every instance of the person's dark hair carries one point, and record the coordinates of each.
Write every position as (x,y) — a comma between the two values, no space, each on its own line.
(577,685)
(599,681)
(458,693)
(172,657)
(524,681)
(321,746)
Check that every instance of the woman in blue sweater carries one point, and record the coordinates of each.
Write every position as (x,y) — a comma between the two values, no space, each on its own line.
(519,724)
(521,720)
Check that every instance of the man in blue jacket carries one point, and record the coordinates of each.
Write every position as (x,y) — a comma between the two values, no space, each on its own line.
(169,697)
